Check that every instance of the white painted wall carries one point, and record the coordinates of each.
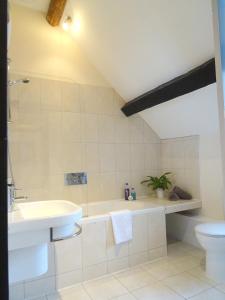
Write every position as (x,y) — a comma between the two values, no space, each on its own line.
(37,49)
(117,50)
(138,45)
(191,114)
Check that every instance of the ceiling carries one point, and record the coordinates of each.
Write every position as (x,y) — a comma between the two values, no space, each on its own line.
(41,5)
(138,45)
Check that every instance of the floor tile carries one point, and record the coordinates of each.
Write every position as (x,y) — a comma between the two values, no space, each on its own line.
(134,278)
(104,288)
(221,287)
(156,291)
(211,294)
(125,297)
(186,285)
(201,274)
(75,292)
(38,298)
(186,262)
(162,270)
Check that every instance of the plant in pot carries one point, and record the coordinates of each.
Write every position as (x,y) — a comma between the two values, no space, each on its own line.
(158,184)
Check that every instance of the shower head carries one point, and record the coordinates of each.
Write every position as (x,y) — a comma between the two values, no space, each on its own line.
(19,81)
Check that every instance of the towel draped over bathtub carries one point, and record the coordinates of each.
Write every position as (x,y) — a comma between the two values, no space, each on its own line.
(122,226)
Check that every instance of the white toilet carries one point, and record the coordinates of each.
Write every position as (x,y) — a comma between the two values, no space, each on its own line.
(211,237)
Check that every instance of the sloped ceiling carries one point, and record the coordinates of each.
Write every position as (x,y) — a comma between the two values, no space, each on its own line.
(140,44)
(40,5)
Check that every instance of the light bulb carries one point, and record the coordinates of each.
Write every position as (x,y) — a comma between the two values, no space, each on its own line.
(67,23)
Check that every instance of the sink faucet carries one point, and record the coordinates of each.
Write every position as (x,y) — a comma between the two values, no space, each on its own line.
(12,196)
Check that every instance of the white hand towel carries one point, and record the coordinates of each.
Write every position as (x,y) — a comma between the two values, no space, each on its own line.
(122,226)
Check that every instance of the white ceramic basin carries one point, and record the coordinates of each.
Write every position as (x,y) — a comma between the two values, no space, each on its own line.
(43,214)
(32,226)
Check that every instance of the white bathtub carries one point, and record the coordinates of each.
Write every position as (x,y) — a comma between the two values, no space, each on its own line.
(102,209)
(98,253)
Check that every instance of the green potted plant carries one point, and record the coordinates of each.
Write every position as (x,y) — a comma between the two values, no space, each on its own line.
(158,184)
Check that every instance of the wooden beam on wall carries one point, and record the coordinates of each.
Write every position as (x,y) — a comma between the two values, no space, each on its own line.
(55,12)
(195,79)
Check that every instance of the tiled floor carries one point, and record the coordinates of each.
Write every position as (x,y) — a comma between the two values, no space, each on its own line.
(179,276)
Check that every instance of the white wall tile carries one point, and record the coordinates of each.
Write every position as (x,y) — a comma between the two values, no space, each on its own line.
(108,186)
(89,99)
(94,187)
(157,253)
(29,96)
(92,158)
(73,157)
(118,264)
(123,159)
(139,243)
(139,258)
(107,104)
(137,157)
(90,128)
(71,127)
(136,129)
(156,229)
(68,279)
(122,132)
(106,129)
(70,97)
(68,255)
(94,271)
(39,287)
(51,95)
(16,291)
(94,243)
(107,157)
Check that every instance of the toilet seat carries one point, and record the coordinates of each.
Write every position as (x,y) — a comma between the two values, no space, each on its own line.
(211,229)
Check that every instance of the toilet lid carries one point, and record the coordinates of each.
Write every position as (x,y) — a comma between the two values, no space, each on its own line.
(211,229)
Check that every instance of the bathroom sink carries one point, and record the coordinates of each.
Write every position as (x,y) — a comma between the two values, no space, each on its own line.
(43,214)
(32,226)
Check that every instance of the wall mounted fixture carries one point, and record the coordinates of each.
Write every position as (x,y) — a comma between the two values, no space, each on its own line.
(67,23)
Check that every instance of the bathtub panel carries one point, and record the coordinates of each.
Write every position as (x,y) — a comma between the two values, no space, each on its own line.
(94,271)
(94,243)
(16,291)
(68,255)
(39,287)
(139,242)
(139,258)
(68,279)
(118,264)
(114,251)
(157,253)
(156,229)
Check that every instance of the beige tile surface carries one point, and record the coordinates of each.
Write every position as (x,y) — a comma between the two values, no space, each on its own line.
(186,285)
(211,294)
(105,288)
(156,291)
(134,278)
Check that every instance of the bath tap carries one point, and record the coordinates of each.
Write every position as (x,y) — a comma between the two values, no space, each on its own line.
(12,196)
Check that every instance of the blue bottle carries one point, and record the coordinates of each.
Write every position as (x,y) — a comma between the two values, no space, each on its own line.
(133,194)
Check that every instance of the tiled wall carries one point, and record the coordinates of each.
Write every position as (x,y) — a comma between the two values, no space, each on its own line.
(181,157)
(94,254)
(60,127)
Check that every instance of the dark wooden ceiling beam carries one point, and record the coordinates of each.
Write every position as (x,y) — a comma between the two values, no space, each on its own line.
(195,79)
(55,11)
